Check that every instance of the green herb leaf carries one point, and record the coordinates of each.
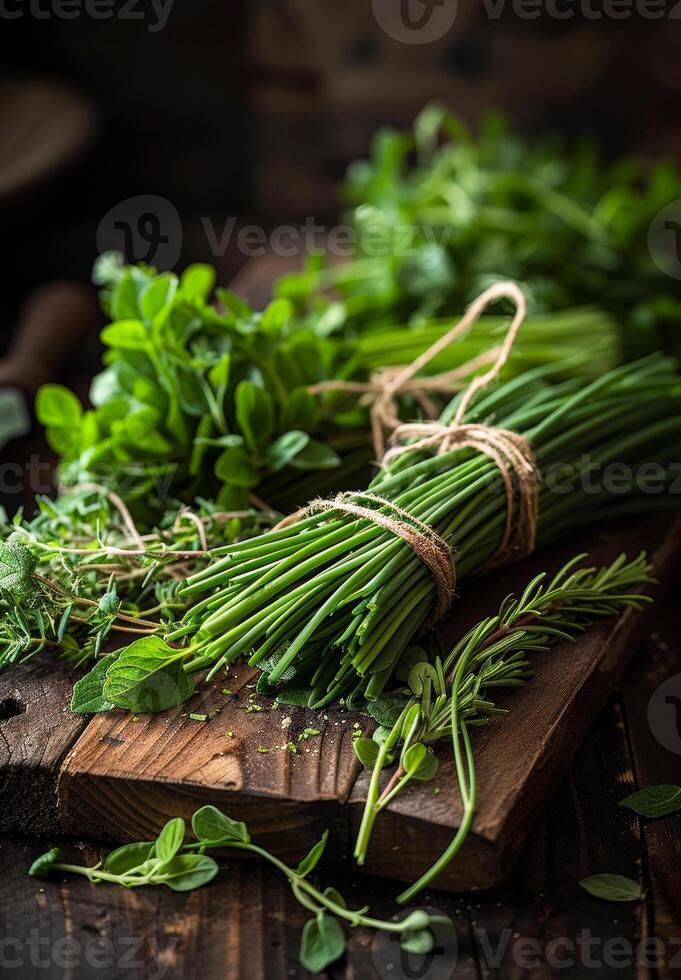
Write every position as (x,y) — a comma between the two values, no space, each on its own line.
(654,801)
(197,281)
(57,407)
(213,827)
(127,857)
(189,871)
(420,941)
(284,449)
(254,413)
(311,860)
(147,677)
(41,866)
(16,568)
(613,888)
(316,456)
(88,693)
(170,839)
(335,896)
(321,944)
(126,335)
(366,750)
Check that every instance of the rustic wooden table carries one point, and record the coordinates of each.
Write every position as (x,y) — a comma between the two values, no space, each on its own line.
(541,923)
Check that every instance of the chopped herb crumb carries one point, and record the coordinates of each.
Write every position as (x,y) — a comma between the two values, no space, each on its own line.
(197,717)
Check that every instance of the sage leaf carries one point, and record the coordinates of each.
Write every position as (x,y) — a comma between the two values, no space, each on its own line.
(16,568)
(42,864)
(311,860)
(366,750)
(654,801)
(88,697)
(321,944)
(613,888)
(124,859)
(213,827)
(170,839)
(188,871)
(147,677)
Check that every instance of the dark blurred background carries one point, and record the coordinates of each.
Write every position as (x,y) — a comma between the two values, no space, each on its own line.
(253,110)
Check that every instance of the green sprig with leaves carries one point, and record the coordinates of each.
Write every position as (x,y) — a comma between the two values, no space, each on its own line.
(446,697)
(184,866)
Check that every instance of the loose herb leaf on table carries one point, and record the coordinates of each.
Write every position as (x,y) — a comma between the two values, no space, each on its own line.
(183,866)
(654,801)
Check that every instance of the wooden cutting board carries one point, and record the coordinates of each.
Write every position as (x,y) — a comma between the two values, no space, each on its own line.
(119,778)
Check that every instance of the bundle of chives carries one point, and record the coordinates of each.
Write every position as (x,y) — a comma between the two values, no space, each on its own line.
(327,605)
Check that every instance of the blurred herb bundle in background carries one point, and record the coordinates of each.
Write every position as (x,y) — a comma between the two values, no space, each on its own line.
(440,213)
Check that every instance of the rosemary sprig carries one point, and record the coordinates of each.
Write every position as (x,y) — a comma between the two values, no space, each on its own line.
(447,697)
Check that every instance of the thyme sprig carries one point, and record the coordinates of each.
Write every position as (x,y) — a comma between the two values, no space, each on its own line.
(448,697)
(80,570)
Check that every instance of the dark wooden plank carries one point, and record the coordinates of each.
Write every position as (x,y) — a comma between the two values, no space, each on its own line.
(36,731)
(244,926)
(654,728)
(126,776)
(541,922)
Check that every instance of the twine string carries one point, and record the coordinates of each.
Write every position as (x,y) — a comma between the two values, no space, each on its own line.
(510,451)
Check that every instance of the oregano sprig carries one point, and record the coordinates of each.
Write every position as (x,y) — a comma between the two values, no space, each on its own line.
(183,866)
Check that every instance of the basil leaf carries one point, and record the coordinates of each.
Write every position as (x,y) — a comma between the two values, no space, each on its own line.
(613,888)
(213,827)
(311,860)
(41,866)
(88,697)
(189,871)
(321,944)
(148,677)
(170,839)
(127,857)
(654,801)
(366,750)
